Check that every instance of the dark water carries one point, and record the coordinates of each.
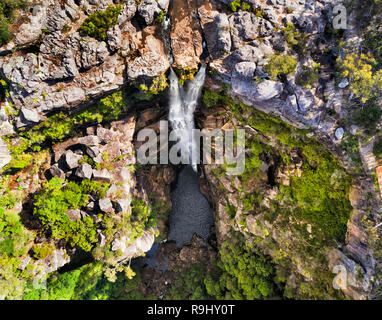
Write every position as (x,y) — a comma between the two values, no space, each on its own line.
(191,212)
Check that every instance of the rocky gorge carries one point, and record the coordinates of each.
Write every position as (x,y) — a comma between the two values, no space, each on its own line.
(80,79)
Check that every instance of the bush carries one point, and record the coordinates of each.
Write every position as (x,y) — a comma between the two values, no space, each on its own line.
(377,150)
(368,116)
(295,39)
(7,9)
(50,206)
(241,273)
(210,98)
(280,65)
(366,81)
(98,23)
(307,78)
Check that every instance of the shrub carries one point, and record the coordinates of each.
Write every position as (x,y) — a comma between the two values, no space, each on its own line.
(210,98)
(234,5)
(241,273)
(295,39)
(98,23)
(50,206)
(307,78)
(377,150)
(366,81)
(368,115)
(7,9)
(280,65)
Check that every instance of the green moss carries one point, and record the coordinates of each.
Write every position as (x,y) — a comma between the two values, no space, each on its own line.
(98,23)
(210,98)
(43,250)
(280,65)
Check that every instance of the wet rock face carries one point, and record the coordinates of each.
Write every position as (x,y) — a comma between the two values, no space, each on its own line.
(186,38)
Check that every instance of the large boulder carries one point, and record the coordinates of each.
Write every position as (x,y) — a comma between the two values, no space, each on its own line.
(148,10)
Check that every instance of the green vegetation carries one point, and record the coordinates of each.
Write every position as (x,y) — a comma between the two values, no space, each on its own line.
(97,24)
(377,150)
(13,246)
(241,273)
(61,126)
(160,17)
(85,283)
(280,66)
(210,98)
(295,39)
(7,15)
(309,76)
(158,85)
(43,250)
(365,79)
(320,195)
(189,284)
(368,116)
(51,205)
(185,74)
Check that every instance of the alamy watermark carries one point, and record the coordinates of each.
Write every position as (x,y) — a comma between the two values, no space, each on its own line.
(191,147)
(340,17)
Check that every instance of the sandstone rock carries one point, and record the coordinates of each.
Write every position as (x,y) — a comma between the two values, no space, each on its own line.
(56,17)
(104,135)
(244,27)
(31,30)
(101,239)
(114,38)
(74,214)
(128,11)
(30,115)
(5,156)
(343,84)
(105,205)
(339,133)
(139,246)
(55,171)
(92,152)
(268,89)
(90,141)
(122,205)
(71,159)
(54,261)
(223,35)
(148,10)
(248,53)
(90,206)
(186,40)
(84,171)
(245,70)
(150,65)
(102,175)
(93,53)
(56,57)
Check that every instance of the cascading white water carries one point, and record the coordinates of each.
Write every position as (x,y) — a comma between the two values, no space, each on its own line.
(182,106)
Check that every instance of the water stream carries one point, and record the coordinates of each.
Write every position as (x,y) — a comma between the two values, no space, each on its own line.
(183,103)
(191,212)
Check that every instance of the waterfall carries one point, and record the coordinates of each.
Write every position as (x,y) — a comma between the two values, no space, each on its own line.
(183,103)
